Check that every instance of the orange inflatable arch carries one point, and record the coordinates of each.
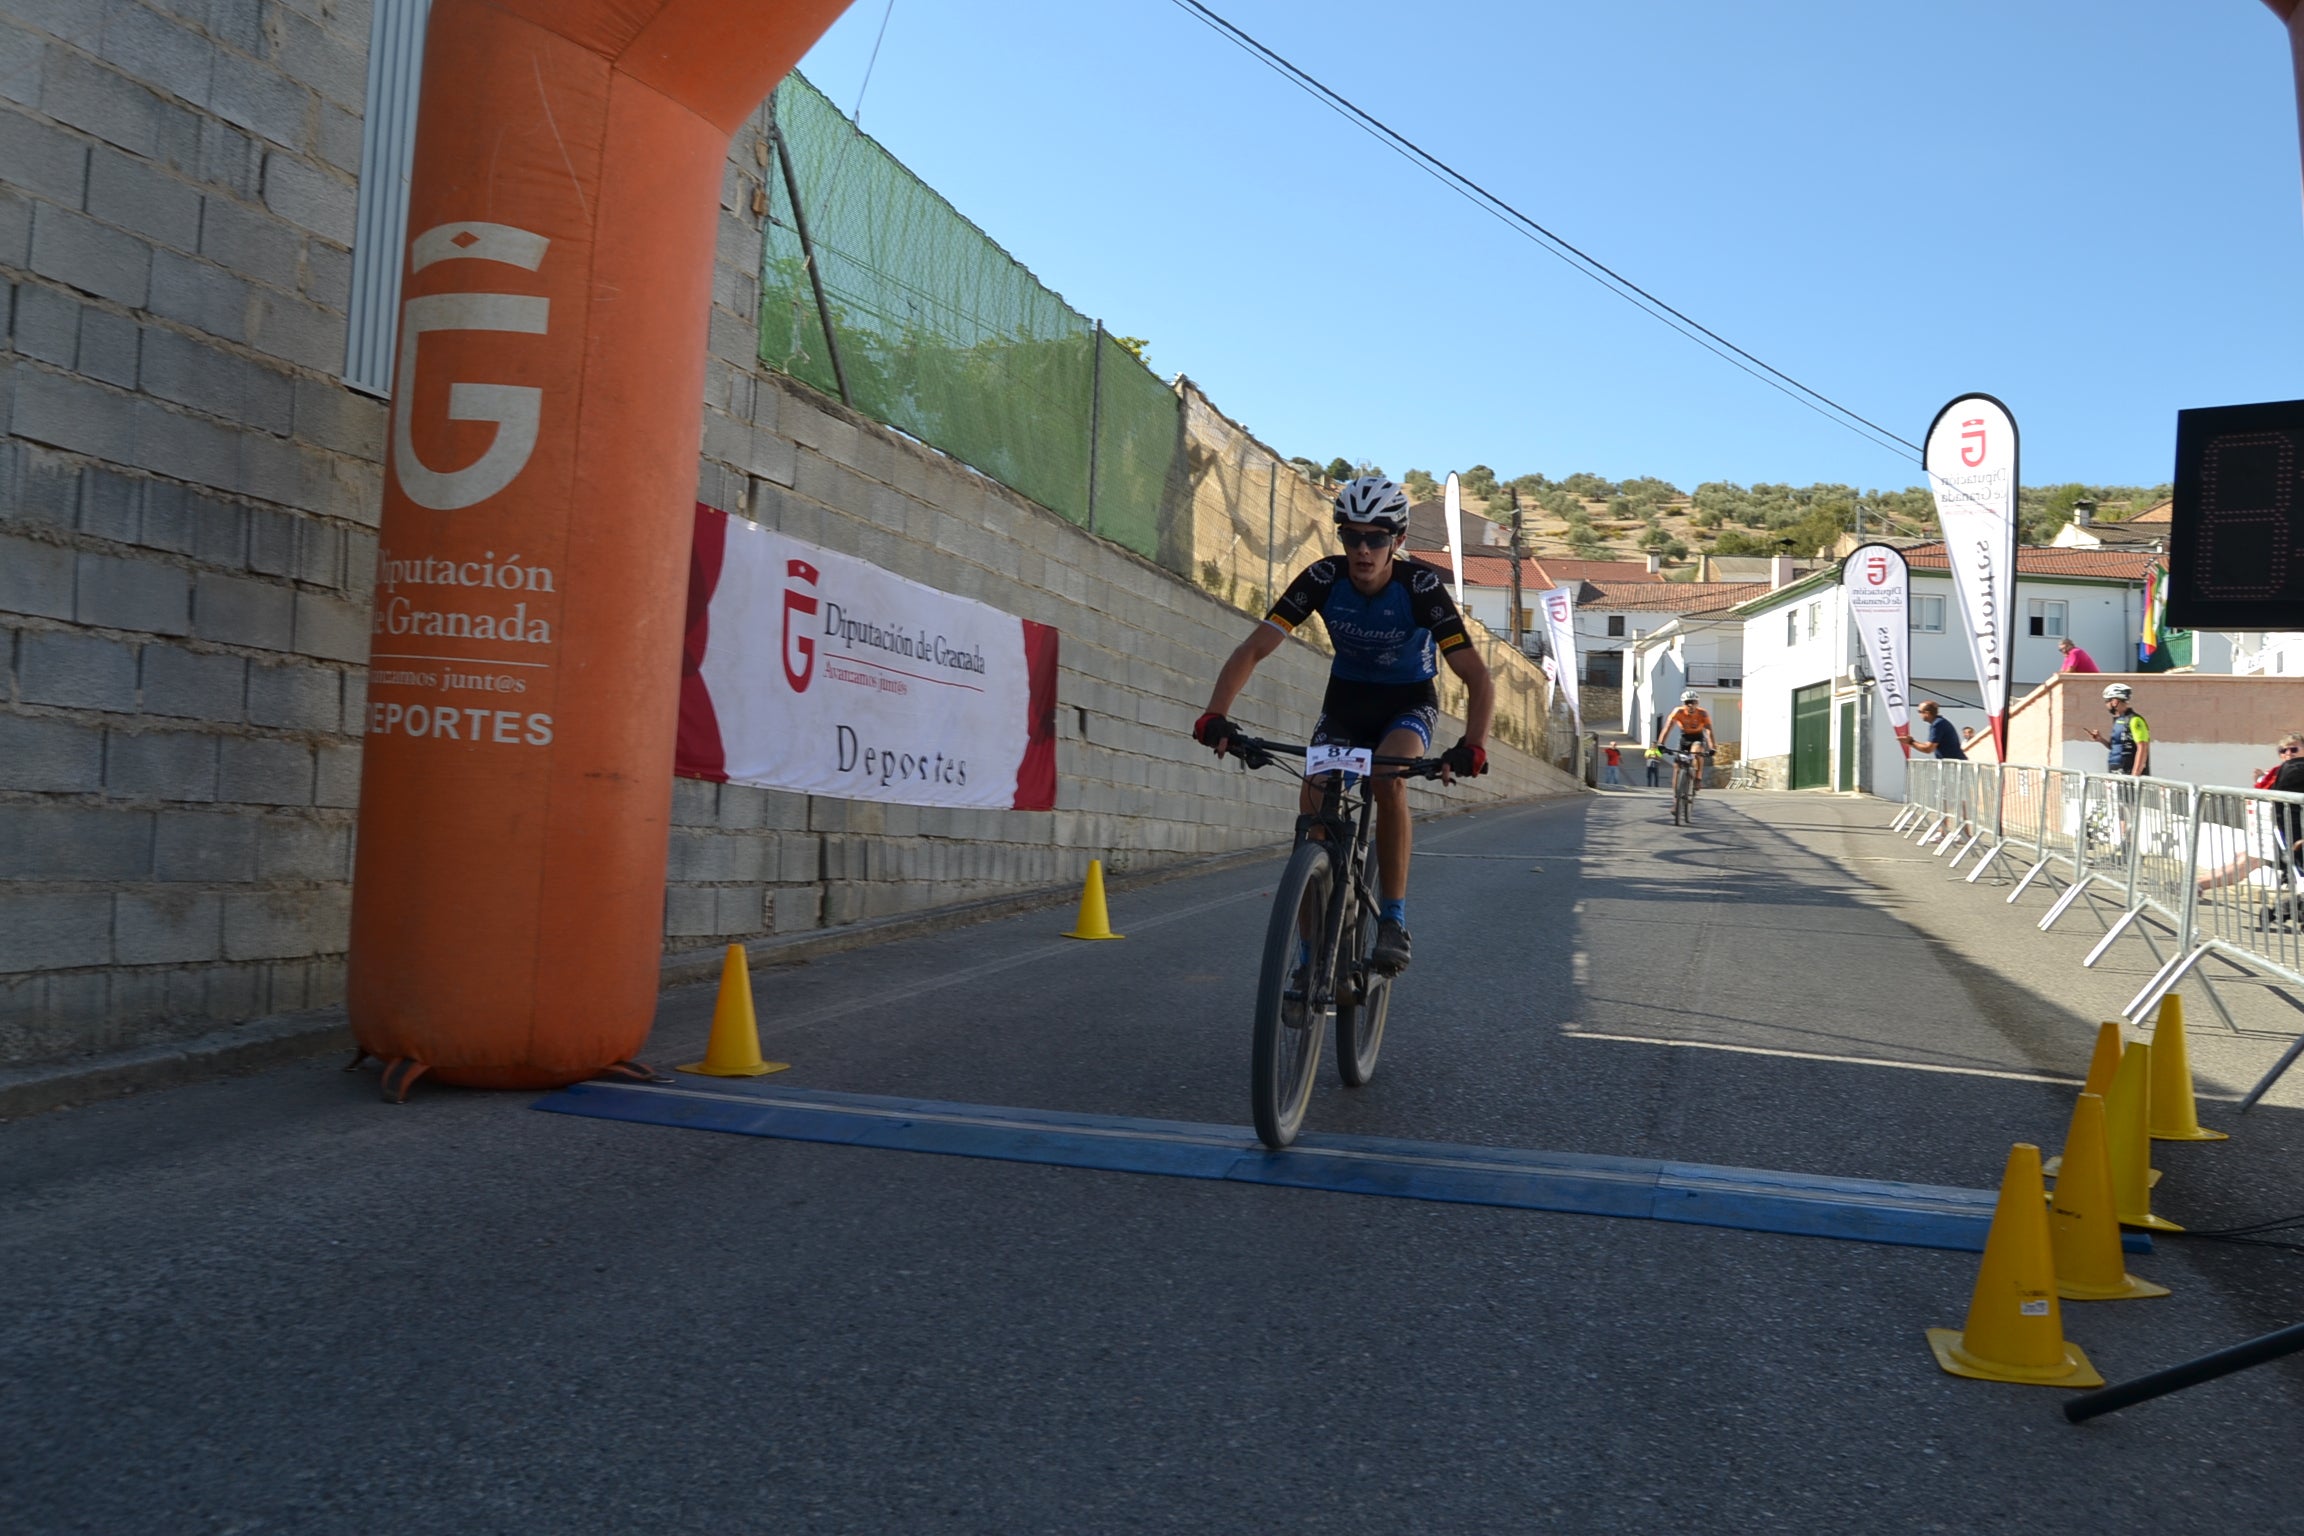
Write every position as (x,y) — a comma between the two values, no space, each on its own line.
(515,800)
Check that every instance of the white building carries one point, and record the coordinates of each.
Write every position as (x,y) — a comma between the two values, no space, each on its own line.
(1812,718)
(1700,646)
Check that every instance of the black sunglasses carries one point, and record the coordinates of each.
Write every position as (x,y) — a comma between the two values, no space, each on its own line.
(2285,751)
(1372,538)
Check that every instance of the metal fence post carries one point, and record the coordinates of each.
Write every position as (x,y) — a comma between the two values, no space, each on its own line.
(1095,418)
(808,254)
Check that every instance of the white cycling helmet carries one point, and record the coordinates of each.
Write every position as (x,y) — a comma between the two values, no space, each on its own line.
(2118,691)
(1688,696)
(1372,502)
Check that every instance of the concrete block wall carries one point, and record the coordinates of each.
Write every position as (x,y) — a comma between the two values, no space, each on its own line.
(188,509)
(188,500)
(1140,646)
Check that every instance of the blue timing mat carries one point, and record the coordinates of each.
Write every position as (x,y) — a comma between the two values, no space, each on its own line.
(1866,1210)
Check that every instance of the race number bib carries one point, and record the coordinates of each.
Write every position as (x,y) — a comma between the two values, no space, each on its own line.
(1330,759)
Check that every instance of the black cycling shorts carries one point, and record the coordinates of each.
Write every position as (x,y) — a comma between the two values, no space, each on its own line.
(1363,714)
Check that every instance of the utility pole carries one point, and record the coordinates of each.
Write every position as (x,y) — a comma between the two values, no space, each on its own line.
(1516,550)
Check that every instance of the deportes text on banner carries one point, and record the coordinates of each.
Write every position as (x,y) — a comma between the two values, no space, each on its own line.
(1972,470)
(813,671)
(1559,606)
(1879,586)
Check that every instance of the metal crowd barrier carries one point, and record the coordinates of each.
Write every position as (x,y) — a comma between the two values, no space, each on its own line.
(2217,869)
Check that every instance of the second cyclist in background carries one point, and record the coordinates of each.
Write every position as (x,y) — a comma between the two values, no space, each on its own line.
(1390,619)
(1688,729)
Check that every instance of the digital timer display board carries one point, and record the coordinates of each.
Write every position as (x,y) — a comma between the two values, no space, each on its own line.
(2236,547)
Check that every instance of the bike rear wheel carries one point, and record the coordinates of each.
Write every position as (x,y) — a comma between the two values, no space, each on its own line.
(1299,959)
(1363,995)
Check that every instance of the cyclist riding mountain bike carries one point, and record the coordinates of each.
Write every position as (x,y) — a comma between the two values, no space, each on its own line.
(1689,729)
(1389,617)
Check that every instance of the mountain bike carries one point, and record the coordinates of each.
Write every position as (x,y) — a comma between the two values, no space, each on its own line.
(1317,944)
(1685,768)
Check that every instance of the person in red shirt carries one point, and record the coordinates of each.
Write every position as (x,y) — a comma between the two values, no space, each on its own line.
(1614,759)
(2075,659)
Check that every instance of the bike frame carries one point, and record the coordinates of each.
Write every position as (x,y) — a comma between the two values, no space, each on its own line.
(1346,833)
(1346,830)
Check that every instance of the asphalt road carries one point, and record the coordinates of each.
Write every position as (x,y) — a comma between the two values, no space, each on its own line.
(273,1303)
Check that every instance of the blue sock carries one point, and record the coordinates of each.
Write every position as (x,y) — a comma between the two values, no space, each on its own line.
(1397,911)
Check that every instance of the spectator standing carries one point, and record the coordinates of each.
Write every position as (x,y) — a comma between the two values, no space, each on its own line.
(2128,744)
(1655,756)
(2075,659)
(1614,758)
(1938,736)
(2269,836)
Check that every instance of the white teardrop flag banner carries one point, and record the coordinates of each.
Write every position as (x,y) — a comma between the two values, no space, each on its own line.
(1972,470)
(1559,606)
(1454,508)
(1879,588)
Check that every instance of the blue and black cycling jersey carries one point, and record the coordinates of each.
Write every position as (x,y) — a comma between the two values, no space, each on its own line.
(1393,637)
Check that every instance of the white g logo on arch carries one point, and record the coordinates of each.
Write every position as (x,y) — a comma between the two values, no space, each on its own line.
(516,410)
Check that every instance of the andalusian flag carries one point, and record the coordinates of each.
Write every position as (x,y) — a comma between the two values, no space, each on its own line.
(2155,609)
(2159,648)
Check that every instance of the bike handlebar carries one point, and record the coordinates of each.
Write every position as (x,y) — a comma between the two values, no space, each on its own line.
(1255,752)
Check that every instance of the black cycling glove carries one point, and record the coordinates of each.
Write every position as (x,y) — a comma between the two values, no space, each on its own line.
(1465,760)
(1213,730)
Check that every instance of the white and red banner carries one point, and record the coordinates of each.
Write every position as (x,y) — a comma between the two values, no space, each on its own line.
(1452,511)
(1879,588)
(814,671)
(1972,470)
(1559,607)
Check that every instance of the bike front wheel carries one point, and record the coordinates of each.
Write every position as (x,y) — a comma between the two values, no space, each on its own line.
(1293,996)
(1364,996)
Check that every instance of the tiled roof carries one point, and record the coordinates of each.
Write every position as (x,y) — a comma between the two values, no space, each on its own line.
(2163,516)
(1488,570)
(1685,597)
(2036,560)
(1558,573)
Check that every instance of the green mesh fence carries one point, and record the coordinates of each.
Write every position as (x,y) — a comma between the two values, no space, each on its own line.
(944,335)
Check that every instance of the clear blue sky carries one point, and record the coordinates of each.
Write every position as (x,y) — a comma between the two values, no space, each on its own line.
(2088,209)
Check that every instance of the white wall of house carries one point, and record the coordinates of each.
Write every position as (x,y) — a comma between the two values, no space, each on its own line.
(1802,636)
(2259,653)
(1492,606)
(1706,654)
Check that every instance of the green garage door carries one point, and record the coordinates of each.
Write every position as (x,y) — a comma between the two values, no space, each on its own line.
(1847,744)
(1811,736)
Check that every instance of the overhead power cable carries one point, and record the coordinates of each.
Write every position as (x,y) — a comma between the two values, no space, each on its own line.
(856,115)
(1590,266)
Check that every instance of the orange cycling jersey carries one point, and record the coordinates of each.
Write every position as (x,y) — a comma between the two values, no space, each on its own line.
(1689,721)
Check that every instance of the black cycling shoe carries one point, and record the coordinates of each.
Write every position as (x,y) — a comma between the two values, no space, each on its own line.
(1391,953)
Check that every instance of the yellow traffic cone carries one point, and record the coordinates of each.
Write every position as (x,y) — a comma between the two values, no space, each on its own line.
(2127,1116)
(2101,1068)
(2105,1064)
(1093,922)
(2015,1328)
(2089,1265)
(734,1050)
(2174,1115)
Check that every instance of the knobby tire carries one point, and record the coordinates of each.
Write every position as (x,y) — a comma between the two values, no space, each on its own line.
(1287,1045)
(1360,1025)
